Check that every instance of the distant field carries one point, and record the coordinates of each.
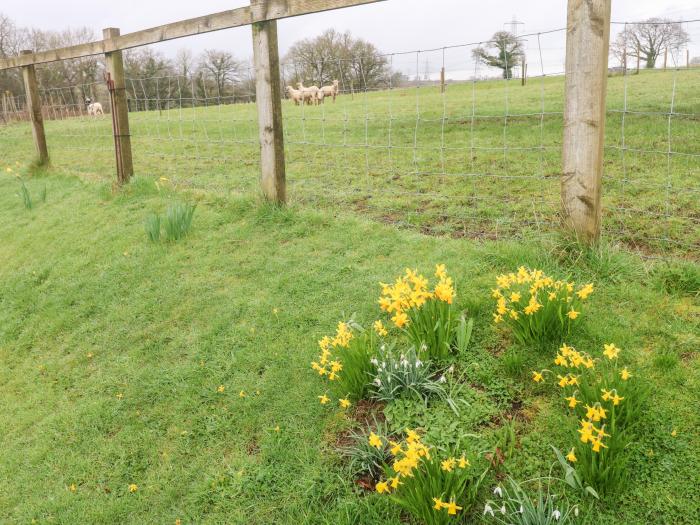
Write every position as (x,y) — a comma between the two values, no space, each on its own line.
(482,161)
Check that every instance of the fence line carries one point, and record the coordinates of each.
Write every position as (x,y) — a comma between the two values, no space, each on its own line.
(463,157)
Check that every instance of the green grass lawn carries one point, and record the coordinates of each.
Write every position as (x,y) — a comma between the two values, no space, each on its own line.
(113,350)
(482,161)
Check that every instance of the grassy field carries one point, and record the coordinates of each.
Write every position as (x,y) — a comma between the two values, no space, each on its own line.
(481,162)
(113,350)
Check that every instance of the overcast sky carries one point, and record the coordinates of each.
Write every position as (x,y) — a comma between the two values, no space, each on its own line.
(393,25)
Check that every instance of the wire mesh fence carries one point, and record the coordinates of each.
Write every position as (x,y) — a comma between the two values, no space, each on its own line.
(435,141)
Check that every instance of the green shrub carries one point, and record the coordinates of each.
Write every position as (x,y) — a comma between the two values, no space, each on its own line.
(152,227)
(680,277)
(178,221)
(26,197)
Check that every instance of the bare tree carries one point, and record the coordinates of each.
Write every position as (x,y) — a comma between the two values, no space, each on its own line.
(649,39)
(503,51)
(337,56)
(222,67)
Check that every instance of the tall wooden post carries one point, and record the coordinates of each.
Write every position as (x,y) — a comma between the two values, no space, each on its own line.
(267,92)
(587,44)
(624,61)
(442,80)
(523,71)
(120,112)
(665,57)
(34,110)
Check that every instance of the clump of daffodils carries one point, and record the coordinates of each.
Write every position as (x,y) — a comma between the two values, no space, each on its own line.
(606,406)
(433,488)
(326,365)
(423,311)
(536,307)
(346,361)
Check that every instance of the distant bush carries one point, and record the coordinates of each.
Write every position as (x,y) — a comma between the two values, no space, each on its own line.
(178,221)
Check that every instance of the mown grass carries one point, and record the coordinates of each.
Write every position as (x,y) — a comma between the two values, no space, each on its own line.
(481,162)
(113,349)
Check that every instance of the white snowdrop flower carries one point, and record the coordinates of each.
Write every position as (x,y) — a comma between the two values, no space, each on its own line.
(419,363)
(451,369)
(402,357)
(488,509)
(378,382)
(442,379)
(556,514)
(521,509)
(383,347)
(423,347)
(498,492)
(503,509)
(576,511)
(374,361)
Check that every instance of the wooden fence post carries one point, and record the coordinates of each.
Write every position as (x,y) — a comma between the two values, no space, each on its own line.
(34,110)
(120,111)
(267,93)
(665,57)
(442,80)
(587,47)
(523,71)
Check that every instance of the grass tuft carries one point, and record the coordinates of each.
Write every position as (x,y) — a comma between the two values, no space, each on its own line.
(178,221)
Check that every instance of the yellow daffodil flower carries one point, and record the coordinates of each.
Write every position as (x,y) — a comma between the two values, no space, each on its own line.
(537,377)
(572,314)
(452,508)
(382,487)
(572,401)
(375,441)
(571,456)
(324,399)
(611,351)
(438,504)
(624,374)
(344,403)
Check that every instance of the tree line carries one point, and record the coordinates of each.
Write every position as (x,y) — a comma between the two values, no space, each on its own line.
(155,81)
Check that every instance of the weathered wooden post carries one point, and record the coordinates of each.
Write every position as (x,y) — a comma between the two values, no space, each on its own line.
(34,110)
(120,112)
(665,57)
(523,71)
(587,44)
(267,92)
(442,80)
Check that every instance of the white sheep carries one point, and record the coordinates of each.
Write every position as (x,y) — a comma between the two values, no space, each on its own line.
(309,94)
(331,90)
(95,109)
(295,95)
(320,96)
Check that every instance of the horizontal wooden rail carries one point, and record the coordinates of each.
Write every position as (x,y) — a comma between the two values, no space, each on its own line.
(242,16)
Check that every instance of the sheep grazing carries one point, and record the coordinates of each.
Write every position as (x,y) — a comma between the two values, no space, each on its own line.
(309,94)
(295,95)
(320,96)
(331,91)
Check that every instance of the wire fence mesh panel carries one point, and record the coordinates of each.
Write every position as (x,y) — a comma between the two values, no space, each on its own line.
(434,140)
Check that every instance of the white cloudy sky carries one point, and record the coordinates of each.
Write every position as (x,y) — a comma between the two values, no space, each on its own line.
(393,25)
